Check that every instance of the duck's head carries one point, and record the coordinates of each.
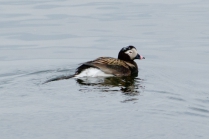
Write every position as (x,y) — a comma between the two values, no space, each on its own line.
(129,53)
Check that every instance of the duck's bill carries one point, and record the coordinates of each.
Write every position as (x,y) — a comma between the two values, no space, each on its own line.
(139,57)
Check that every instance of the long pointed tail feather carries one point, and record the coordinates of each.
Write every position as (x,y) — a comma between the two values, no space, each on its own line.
(59,78)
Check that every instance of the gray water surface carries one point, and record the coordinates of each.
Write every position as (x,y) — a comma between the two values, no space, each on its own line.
(45,39)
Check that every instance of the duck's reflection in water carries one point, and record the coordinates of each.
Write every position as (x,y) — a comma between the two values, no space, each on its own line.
(127,85)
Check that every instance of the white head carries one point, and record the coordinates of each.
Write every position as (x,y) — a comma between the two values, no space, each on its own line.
(129,53)
(132,53)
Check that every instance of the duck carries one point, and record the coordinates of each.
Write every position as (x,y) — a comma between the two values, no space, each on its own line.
(122,66)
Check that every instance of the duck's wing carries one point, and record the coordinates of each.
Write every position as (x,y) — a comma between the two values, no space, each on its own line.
(110,65)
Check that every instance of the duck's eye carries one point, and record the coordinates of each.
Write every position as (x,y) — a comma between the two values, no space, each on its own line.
(130,52)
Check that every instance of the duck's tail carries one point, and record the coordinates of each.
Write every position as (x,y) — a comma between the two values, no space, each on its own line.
(59,78)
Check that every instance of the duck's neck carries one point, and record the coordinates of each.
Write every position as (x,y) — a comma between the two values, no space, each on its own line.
(134,70)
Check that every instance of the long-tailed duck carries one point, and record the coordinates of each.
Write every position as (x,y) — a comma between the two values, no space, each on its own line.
(124,65)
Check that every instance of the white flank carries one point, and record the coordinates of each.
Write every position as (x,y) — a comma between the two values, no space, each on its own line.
(92,72)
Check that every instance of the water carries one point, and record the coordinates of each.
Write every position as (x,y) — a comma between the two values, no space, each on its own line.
(44,39)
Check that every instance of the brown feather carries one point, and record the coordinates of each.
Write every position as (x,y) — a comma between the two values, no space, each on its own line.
(113,66)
